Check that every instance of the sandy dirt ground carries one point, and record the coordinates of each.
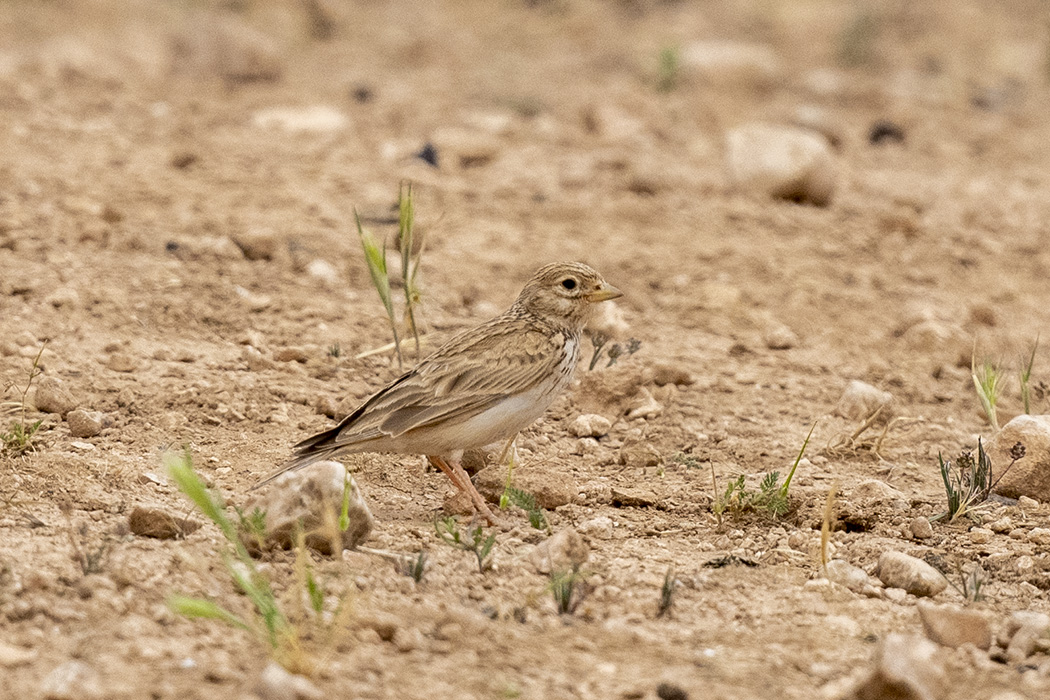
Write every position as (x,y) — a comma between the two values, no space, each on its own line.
(177,187)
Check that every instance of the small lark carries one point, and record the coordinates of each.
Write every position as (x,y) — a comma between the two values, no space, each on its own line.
(484,385)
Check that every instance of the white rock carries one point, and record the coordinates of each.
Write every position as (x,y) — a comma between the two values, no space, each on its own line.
(313,497)
(724,61)
(52,396)
(875,491)
(899,570)
(600,527)
(12,656)
(73,680)
(779,337)
(324,271)
(313,118)
(1038,535)
(781,162)
(275,683)
(564,549)
(852,577)
(860,400)
(590,425)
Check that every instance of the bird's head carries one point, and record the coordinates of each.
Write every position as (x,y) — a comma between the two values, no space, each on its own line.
(565,293)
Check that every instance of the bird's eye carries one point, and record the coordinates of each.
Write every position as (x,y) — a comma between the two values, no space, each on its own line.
(569,283)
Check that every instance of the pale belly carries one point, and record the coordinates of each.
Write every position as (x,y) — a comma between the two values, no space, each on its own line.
(500,422)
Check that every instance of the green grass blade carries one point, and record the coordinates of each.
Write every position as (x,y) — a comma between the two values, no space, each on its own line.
(801,452)
(375,258)
(180,468)
(204,609)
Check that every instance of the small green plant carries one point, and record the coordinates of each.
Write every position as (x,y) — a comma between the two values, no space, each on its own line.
(282,633)
(415,567)
(772,495)
(568,587)
(686,460)
(667,593)
(1025,377)
(969,484)
(411,256)
(252,528)
(91,560)
(527,502)
(670,67)
(335,351)
(475,541)
(970,584)
(19,439)
(988,380)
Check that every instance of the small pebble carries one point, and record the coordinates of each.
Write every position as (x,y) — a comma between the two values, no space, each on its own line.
(84,424)
(980,535)
(590,425)
(921,528)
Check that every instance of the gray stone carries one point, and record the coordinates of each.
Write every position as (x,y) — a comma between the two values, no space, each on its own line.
(921,528)
(904,667)
(780,337)
(160,524)
(952,626)
(52,396)
(84,424)
(1039,536)
(564,549)
(590,425)
(600,527)
(899,570)
(860,400)
(852,577)
(981,535)
(311,498)
(276,683)
(1023,628)
(73,680)
(782,162)
(1030,475)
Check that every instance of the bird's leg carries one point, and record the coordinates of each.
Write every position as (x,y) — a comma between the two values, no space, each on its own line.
(512,451)
(461,479)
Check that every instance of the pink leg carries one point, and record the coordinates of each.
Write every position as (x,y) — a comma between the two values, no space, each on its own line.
(458,476)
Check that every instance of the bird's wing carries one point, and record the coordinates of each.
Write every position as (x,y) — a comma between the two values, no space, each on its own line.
(466,376)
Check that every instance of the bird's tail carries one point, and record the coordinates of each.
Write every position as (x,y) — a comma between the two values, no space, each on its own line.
(313,449)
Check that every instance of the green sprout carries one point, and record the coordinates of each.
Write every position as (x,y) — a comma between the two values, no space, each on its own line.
(478,543)
(969,484)
(375,257)
(669,68)
(19,439)
(988,381)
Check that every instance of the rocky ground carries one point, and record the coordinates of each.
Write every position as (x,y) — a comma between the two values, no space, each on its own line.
(814,209)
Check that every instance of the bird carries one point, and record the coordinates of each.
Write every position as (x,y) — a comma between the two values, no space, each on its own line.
(484,385)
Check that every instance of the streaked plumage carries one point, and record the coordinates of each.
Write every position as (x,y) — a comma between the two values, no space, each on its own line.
(484,385)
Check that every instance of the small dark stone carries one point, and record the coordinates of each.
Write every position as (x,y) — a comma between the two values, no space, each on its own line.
(171,246)
(362,94)
(885,131)
(183,160)
(428,154)
(670,691)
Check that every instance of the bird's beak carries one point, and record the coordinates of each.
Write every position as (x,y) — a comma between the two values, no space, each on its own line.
(604,293)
